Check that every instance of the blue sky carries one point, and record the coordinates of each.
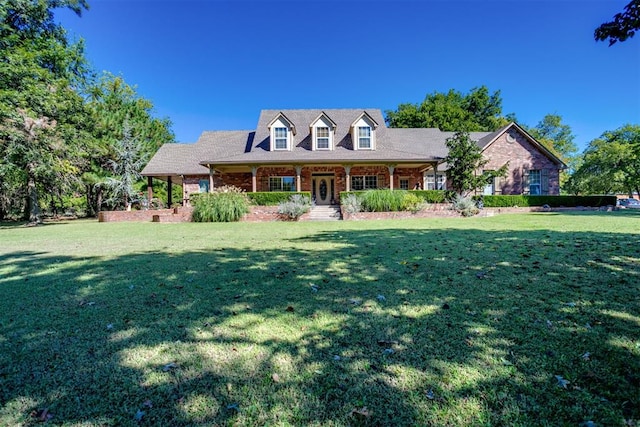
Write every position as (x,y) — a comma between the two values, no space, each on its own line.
(213,65)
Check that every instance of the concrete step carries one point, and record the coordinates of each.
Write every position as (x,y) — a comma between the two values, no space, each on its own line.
(325,213)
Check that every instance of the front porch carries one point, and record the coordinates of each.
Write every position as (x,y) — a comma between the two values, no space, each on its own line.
(324,182)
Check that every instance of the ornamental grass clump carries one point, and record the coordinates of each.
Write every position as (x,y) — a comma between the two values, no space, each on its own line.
(295,207)
(383,200)
(225,204)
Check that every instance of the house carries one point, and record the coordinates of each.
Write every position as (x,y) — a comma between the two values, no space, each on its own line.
(329,151)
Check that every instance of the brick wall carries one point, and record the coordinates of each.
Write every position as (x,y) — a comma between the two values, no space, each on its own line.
(520,154)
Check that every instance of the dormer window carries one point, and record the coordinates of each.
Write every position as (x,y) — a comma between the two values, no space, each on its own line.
(280,138)
(364,138)
(322,132)
(363,132)
(322,138)
(281,131)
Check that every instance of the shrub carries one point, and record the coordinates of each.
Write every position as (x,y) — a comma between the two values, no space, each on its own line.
(465,205)
(434,196)
(295,207)
(351,203)
(413,203)
(220,207)
(273,198)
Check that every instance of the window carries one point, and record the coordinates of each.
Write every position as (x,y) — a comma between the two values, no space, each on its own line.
(535,182)
(364,137)
(322,138)
(280,138)
(204,185)
(432,186)
(404,183)
(489,187)
(282,183)
(364,182)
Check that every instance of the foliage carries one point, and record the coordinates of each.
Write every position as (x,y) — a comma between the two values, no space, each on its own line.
(474,321)
(503,201)
(465,160)
(383,200)
(220,207)
(623,27)
(610,164)
(273,198)
(465,205)
(434,196)
(42,116)
(295,207)
(126,168)
(112,105)
(452,111)
(412,202)
(350,202)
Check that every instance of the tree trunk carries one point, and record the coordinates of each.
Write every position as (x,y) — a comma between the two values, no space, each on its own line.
(33,208)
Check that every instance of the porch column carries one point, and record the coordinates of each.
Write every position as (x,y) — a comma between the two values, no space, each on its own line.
(298,178)
(169,191)
(391,169)
(435,176)
(347,171)
(210,178)
(149,191)
(254,179)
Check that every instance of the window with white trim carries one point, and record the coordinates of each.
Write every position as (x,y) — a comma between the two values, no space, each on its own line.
(364,182)
(280,136)
(203,185)
(364,137)
(282,183)
(404,183)
(535,182)
(430,183)
(322,138)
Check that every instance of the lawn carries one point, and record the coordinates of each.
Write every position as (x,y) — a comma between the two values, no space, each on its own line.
(514,320)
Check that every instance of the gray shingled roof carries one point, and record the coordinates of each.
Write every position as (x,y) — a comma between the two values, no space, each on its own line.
(399,145)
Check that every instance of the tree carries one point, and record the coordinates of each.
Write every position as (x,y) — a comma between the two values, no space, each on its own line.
(41,111)
(111,103)
(610,164)
(623,26)
(452,111)
(465,160)
(126,168)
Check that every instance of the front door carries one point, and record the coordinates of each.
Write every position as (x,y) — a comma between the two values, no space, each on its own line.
(323,189)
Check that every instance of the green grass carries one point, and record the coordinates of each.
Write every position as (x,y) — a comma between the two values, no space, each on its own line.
(281,323)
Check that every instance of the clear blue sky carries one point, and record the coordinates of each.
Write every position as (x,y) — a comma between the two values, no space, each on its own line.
(213,65)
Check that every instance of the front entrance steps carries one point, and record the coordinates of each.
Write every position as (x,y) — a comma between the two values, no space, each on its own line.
(325,213)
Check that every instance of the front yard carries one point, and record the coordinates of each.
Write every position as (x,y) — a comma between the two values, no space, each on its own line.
(528,319)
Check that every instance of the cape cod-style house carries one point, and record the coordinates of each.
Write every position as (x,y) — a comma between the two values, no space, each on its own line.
(329,151)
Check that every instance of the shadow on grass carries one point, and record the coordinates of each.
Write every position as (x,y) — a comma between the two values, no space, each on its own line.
(384,327)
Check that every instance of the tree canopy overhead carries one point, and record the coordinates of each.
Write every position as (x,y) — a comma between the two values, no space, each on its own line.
(452,111)
(623,27)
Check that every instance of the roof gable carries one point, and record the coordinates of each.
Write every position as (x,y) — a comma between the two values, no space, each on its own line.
(489,139)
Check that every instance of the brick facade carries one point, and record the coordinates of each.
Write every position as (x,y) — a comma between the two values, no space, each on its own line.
(521,155)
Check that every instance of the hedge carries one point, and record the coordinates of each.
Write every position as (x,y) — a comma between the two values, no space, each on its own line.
(429,196)
(506,201)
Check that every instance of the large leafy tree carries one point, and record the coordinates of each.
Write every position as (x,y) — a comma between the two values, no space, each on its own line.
(478,110)
(41,111)
(623,27)
(114,105)
(465,160)
(610,164)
